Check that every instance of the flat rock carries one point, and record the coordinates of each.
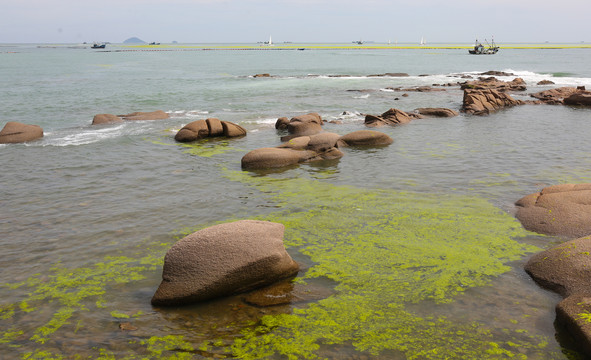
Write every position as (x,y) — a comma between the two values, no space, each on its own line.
(365,138)
(100,119)
(563,210)
(153,115)
(15,132)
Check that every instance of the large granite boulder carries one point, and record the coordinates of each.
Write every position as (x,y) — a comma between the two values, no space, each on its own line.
(483,102)
(15,132)
(566,269)
(223,260)
(100,119)
(574,313)
(210,127)
(563,210)
(390,117)
(153,115)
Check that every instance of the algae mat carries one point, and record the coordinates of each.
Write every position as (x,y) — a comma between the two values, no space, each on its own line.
(384,251)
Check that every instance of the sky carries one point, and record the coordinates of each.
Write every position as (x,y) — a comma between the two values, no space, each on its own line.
(325,21)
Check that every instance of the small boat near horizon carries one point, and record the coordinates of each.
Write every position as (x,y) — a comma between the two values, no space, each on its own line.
(98,46)
(479,49)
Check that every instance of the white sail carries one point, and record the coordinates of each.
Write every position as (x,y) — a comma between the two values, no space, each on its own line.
(423,41)
(270,41)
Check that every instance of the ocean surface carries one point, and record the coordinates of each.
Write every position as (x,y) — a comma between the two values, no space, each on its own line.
(88,212)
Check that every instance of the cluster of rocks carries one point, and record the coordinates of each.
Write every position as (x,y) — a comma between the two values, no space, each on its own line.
(563,210)
(398,117)
(307,142)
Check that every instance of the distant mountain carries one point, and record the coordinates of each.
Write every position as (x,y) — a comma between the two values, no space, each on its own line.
(134,40)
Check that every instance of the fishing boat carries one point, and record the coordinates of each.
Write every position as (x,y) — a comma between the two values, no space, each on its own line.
(98,46)
(479,49)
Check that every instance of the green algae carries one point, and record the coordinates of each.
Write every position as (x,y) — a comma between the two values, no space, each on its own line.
(385,250)
(208,147)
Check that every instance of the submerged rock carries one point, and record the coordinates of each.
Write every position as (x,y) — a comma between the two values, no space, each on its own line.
(100,119)
(153,115)
(563,210)
(556,96)
(15,132)
(493,83)
(222,260)
(437,112)
(365,138)
(574,313)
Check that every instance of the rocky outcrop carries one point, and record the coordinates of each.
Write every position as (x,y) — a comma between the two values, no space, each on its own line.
(437,112)
(566,269)
(563,210)
(100,119)
(482,102)
(211,127)
(222,260)
(579,98)
(556,96)
(390,117)
(303,149)
(153,115)
(492,83)
(545,82)
(282,123)
(15,132)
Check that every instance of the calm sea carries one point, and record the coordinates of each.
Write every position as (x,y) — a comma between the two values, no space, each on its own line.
(87,212)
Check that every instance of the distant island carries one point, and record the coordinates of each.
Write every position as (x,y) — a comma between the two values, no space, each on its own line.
(134,40)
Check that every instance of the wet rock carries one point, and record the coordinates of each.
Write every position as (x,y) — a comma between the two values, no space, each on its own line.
(493,83)
(390,117)
(496,73)
(222,260)
(579,98)
(437,112)
(154,115)
(555,96)
(15,132)
(100,119)
(261,75)
(211,127)
(127,327)
(574,313)
(545,82)
(365,138)
(286,292)
(281,123)
(565,269)
(303,125)
(482,102)
(390,75)
(563,210)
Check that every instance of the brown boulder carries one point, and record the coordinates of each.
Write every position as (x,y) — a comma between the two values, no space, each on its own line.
(302,125)
(437,112)
(223,260)
(545,82)
(578,98)
(390,117)
(210,127)
(482,102)
(574,313)
(154,115)
(555,96)
(281,123)
(15,132)
(565,269)
(557,210)
(100,119)
(365,138)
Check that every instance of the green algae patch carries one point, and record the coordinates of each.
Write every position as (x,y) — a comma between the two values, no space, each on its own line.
(386,250)
(207,147)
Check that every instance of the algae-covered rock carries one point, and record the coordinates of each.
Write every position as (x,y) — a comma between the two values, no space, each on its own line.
(222,260)
(574,313)
(557,210)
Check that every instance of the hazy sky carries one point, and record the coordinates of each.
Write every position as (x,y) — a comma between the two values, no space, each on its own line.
(211,21)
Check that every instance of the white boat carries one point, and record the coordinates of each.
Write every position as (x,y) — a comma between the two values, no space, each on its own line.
(423,42)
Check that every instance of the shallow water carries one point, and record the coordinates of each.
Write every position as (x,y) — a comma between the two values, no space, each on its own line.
(121,195)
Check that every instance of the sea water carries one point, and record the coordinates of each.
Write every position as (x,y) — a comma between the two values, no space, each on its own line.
(87,212)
